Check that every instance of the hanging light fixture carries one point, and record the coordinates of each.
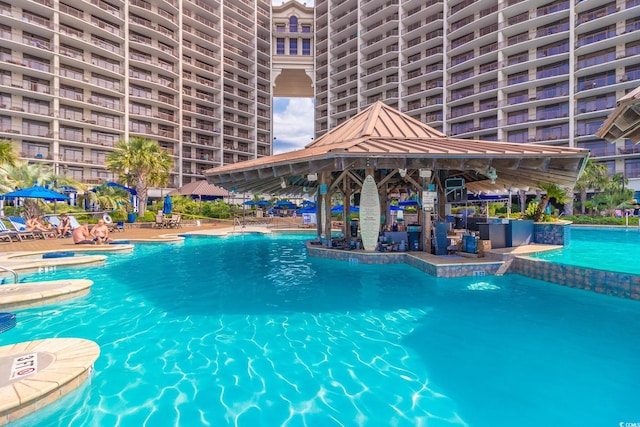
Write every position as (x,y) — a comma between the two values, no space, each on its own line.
(492,175)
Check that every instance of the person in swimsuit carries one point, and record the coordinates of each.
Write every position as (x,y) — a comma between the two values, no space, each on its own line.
(65,225)
(81,236)
(34,223)
(100,233)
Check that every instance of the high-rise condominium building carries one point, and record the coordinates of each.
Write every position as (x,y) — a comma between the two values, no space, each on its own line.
(199,76)
(521,71)
(78,75)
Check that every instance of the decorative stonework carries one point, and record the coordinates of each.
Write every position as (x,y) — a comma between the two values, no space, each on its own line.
(552,233)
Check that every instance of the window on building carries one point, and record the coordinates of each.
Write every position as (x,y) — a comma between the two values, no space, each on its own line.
(306,47)
(632,168)
(547,133)
(551,70)
(590,126)
(518,136)
(516,117)
(280,46)
(32,149)
(553,111)
(596,80)
(598,148)
(552,91)
(293,47)
(293,24)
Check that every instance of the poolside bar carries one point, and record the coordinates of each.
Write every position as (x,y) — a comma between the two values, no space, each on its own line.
(381,157)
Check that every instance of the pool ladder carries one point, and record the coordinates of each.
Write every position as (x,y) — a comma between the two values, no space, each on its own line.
(16,279)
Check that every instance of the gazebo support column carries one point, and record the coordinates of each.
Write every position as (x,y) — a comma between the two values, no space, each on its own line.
(346,223)
(325,206)
(426,214)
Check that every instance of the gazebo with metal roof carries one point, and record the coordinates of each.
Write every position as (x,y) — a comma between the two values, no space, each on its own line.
(399,151)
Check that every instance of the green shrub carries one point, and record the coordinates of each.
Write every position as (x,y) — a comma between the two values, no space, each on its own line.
(607,220)
(148,216)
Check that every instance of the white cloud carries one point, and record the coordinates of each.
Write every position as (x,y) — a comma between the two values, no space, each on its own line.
(293,125)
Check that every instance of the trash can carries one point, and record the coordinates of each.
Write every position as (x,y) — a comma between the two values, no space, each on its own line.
(354,228)
(131,217)
(414,234)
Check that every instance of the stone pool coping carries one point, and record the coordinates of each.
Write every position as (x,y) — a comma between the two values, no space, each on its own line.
(435,265)
(63,364)
(18,261)
(25,295)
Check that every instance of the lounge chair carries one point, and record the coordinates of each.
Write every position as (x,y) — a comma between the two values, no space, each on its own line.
(5,233)
(20,225)
(22,235)
(73,222)
(55,222)
(116,226)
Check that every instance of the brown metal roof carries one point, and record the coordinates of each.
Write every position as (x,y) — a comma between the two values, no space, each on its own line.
(624,121)
(377,121)
(201,188)
(384,138)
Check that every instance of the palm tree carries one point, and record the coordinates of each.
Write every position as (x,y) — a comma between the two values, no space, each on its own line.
(594,176)
(615,195)
(141,163)
(552,191)
(7,154)
(24,175)
(108,198)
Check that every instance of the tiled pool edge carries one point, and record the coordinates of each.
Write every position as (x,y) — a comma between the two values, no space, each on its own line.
(469,268)
(622,285)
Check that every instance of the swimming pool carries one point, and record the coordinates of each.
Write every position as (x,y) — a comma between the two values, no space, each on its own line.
(249,331)
(604,248)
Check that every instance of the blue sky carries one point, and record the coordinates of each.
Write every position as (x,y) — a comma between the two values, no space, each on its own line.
(292,123)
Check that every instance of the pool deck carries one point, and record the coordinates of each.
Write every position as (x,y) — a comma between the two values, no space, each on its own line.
(37,373)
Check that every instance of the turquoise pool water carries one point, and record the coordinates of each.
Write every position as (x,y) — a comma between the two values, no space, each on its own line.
(249,331)
(611,249)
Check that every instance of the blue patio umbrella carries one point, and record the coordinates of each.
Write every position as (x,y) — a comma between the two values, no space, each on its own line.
(306,209)
(168,205)
(285,204)
(340,209)
(250,203)
(36,192)
(395,208)
(263,203)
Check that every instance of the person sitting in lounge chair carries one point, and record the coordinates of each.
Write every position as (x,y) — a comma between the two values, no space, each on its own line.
(81,236)
(100,233)
(34,223)
(65,225)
